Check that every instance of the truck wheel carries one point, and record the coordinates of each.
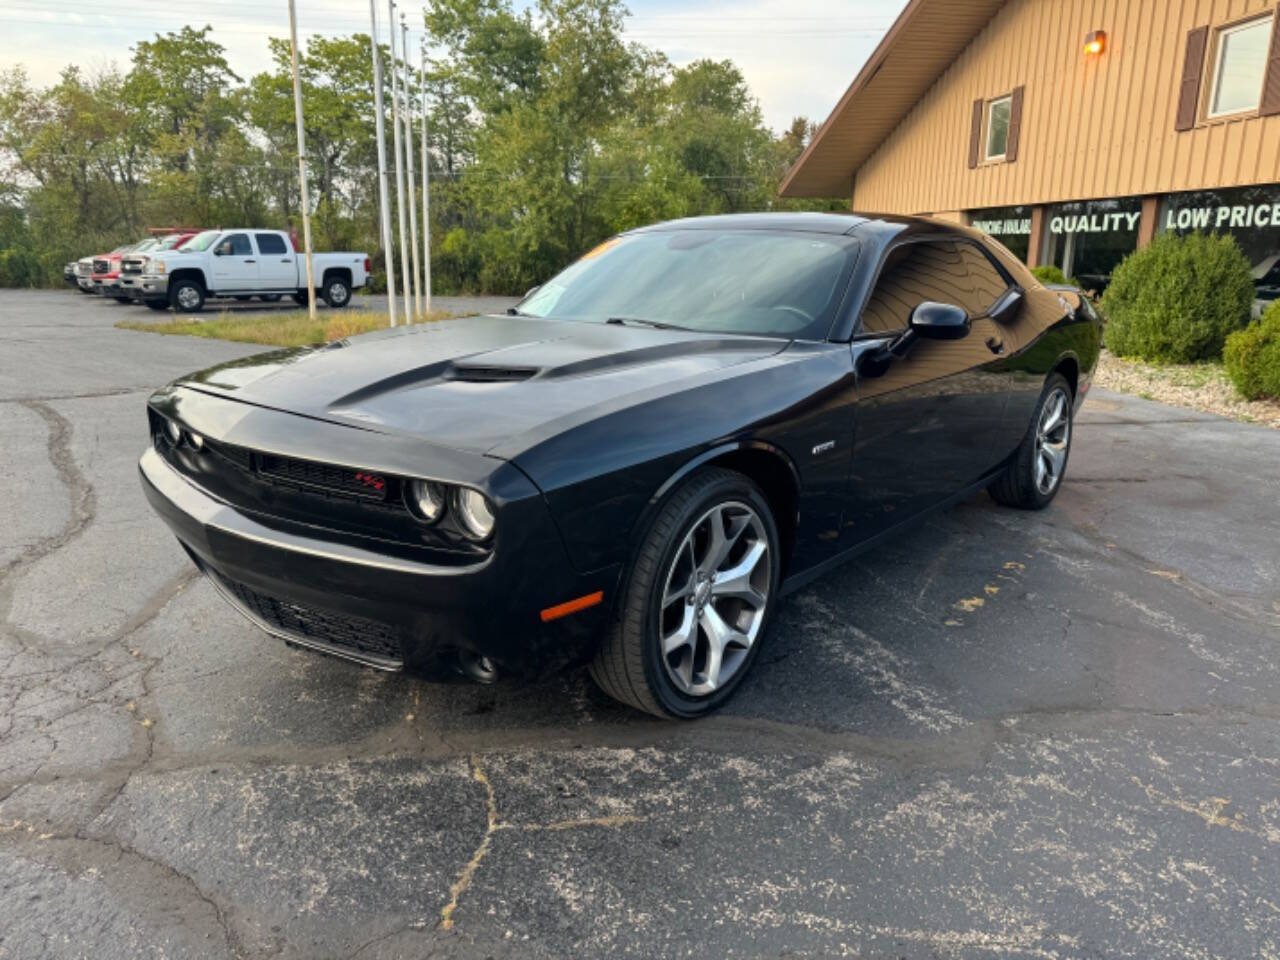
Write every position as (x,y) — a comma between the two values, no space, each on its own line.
(337,292)
(269,297)
(187,296)
(157,304)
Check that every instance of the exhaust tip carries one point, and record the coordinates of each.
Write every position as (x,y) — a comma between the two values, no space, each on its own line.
(479,668)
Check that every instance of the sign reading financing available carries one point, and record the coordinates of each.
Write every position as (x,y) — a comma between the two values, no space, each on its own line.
(1011,226)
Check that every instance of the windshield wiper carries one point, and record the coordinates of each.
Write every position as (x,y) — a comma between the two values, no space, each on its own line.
(656,324)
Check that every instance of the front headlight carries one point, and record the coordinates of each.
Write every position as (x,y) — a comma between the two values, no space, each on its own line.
(426,498)
(173,431)
(476,512)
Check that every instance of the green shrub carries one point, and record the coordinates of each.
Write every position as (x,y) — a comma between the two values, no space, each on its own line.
(1048,273)
(1176,300)
(1252,356)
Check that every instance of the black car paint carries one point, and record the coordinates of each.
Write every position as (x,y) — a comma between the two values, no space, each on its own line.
(577,456)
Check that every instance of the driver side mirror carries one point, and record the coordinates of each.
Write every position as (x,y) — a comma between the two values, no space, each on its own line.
(929,321)
(222,250)
(939,321)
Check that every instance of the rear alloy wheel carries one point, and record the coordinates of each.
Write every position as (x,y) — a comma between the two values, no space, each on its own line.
(1034,476)
(187,296)
(337,293)
(698,600)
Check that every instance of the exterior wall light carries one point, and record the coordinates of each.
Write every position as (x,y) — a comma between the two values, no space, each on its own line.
(1095,43)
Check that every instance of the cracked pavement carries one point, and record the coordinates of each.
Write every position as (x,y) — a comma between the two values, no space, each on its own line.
(1005,734)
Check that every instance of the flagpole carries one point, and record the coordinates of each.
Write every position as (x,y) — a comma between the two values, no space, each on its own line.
(408,153)
(395,123)
(384,193)
(302,161)
(426,195)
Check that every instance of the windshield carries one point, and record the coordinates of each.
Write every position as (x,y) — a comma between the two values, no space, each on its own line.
(144,245)
(171,241)
(202,241)
(755,282)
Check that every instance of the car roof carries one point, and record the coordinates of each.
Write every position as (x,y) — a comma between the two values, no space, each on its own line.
(801,221)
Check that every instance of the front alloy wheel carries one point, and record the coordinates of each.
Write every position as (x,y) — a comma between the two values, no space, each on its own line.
(717,591)
(697,600)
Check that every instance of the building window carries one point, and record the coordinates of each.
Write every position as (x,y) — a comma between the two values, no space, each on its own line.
(1239,68)
(998,127)
(1249,214)
(1010,225)
(1087,239)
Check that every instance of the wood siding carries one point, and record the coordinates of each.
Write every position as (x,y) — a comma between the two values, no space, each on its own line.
(1091,126)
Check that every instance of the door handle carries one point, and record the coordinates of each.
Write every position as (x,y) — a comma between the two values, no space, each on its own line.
(995,345)
(251,261)
(286,260)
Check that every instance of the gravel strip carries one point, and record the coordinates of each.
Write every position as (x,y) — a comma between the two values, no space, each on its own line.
(1199,386)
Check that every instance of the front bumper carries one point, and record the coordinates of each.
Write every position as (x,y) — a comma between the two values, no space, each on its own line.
(144,287)
(379,609)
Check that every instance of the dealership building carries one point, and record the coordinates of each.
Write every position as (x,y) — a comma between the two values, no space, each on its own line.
(1073,131)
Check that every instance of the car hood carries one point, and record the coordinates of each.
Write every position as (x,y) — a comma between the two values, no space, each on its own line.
(479,382)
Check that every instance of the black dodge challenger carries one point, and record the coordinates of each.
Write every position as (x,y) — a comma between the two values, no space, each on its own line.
(631,467)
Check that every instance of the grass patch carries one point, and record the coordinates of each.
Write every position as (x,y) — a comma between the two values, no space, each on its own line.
(293,329)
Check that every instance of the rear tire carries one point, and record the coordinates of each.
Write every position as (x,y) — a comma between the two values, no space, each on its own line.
(1034,475)
(694,609)
(337,292)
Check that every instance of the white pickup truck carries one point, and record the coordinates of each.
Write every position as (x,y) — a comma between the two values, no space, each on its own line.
(241,263)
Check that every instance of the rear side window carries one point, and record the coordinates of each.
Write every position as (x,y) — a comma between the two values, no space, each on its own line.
(270,243)
(945,271)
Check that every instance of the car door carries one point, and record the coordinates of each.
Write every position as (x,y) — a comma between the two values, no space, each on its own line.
(277,264)
(235,265)
(925,422)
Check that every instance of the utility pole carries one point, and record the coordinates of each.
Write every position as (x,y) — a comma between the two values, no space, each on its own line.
(395,124)
(426,195)
(302,161)
(384,194)
(408,153)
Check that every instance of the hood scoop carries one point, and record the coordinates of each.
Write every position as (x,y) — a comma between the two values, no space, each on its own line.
(488,373)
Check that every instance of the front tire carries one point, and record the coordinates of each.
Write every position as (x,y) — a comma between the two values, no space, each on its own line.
(697,601)
(157,304)
(1034,476)
(187,296)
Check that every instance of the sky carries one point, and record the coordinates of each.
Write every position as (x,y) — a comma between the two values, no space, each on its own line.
(797,58)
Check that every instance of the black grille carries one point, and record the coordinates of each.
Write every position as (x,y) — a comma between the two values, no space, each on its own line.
(101,266)
(355,634)
(322,476)
(131,266)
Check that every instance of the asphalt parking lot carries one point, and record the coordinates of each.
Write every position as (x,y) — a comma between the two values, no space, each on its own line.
(1024,735)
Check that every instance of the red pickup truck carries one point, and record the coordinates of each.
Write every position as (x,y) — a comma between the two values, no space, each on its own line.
(106,266)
